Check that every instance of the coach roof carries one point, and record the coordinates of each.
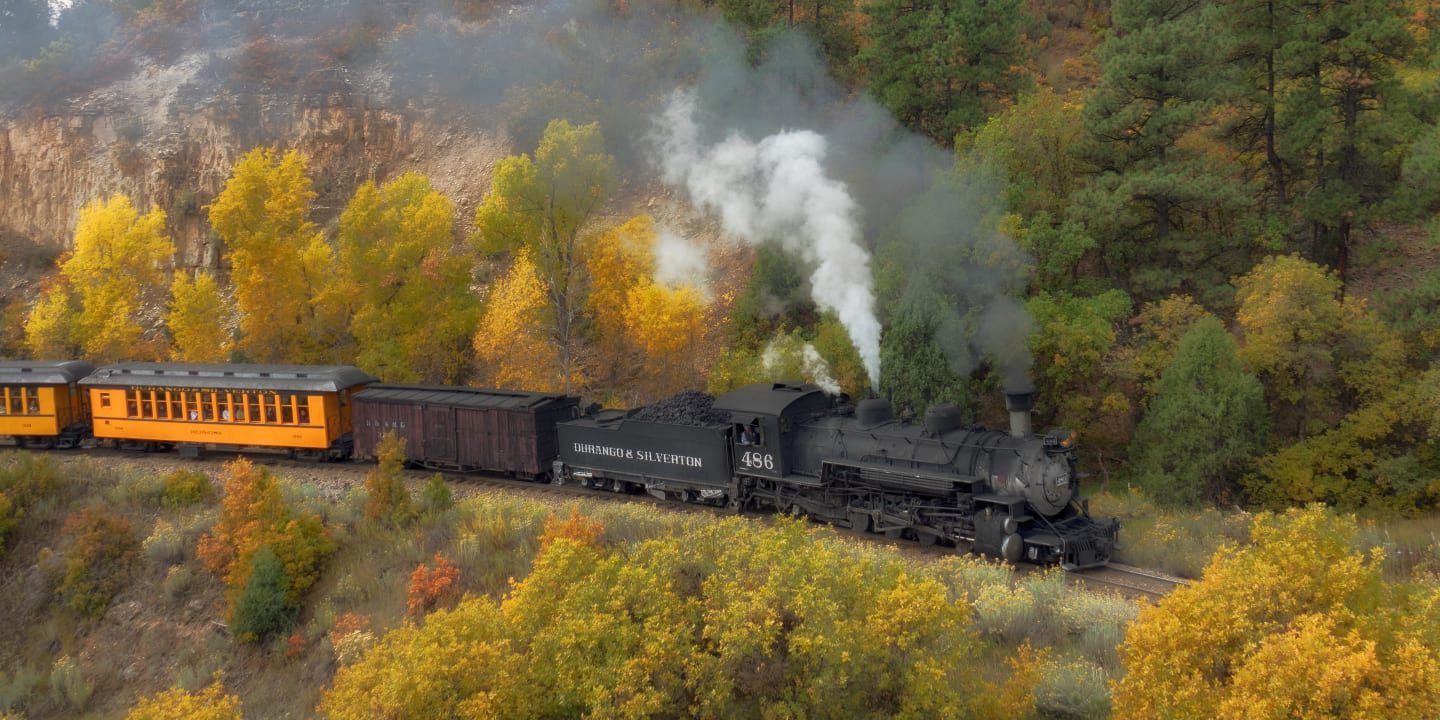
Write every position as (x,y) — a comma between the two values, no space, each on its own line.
(295,378)
(464,397)
(36,372)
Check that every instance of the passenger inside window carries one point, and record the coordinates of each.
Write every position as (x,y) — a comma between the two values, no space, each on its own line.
(304,415)
(750,434)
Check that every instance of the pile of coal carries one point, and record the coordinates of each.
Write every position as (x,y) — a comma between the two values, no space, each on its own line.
(689,407)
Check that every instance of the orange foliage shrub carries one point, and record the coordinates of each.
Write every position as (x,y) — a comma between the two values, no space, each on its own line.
(429,587)
(576,527)
(254,514)
(295,646)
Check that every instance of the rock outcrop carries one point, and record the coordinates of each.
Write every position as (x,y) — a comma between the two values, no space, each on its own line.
(168,136)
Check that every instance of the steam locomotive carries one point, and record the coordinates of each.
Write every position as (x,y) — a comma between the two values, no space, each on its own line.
(786,446)
(793,448)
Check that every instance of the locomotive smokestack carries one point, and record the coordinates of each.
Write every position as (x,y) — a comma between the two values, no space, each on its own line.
(1020,401)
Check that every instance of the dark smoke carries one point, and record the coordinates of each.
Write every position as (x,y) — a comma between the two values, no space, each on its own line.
(584,60)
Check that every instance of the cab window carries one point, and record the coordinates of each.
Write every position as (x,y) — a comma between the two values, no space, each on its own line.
(749,434)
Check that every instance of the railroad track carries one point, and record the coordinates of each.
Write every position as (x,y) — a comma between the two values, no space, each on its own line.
(335,479)
(1130,581)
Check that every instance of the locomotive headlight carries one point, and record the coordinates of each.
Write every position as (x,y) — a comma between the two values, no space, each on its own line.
(1059,440)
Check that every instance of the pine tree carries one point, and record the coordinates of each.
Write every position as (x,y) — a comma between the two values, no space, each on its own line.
(1164,205)
(1205,423)
(942,66)
(265,608)
(1341,120)
(24,28)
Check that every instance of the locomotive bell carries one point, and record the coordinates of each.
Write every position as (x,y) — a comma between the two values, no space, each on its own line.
(1019,401)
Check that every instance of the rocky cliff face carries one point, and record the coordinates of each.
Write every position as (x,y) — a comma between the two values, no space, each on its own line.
(167,138)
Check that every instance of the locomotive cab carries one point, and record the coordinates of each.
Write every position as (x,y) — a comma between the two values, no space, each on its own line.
(763,417)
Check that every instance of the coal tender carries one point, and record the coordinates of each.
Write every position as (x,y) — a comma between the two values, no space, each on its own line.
(675,449)
(795,449)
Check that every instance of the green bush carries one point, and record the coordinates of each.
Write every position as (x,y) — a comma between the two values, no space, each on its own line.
(178,581)
(69,688)
(187,487)
(8,518)
(388,501)
(1073,690)
(17,686)
(165,545)
(27,478)
(436,499)
(102,549)
(264,609)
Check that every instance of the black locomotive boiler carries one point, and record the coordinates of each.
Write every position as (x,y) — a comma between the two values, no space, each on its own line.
(794,448)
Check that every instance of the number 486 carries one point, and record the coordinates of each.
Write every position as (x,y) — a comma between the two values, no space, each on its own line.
(753,459)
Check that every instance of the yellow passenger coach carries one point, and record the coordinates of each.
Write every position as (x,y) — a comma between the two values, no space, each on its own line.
(160,406)
(40,406)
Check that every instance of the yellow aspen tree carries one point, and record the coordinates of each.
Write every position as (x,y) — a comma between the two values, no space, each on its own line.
(667,324)
(407,289)
(512,340)
(617,262)
(52,329)
(546,205)
(1317,352)
(199,319)
(280,265)
(116,272)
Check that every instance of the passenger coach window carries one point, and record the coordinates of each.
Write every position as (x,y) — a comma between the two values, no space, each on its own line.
(287,409)
(17,401)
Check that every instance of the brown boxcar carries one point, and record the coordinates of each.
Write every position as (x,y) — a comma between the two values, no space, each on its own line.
(470,429)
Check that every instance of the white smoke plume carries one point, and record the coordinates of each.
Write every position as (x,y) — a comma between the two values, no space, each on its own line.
(812,365)
(680,262)
(777,189)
